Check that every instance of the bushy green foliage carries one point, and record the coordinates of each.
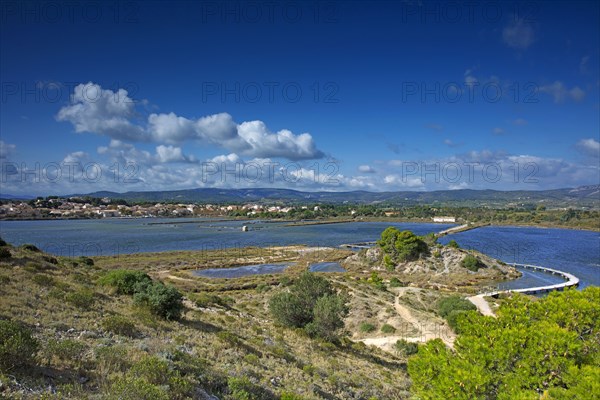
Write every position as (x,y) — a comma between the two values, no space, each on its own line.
(124,281)
(453,303)
(548,346)
(131,388)
(295,307)
(243,389)
(205,300)
(162,300)
(453,244)
(366,327)
(69,350)
(377,281)
(406,348)
(290,396)
(151,378)
(17,345)
(471,263)
(119,325)
(401,246)
(310,303)
(329,313)
(43,280)
(395,282)
(83,298)
(387,328)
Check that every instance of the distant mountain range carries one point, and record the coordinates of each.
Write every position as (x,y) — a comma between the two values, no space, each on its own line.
(581,196)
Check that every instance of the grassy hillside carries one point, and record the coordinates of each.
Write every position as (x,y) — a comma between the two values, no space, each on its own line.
(69,331)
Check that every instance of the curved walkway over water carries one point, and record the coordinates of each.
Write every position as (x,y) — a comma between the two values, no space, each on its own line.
(570,281)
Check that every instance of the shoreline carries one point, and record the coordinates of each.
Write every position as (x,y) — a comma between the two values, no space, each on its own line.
(292,222)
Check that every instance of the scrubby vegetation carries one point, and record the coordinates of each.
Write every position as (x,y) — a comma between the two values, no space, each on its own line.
(471,263)
(17,345)
(77,331)
(451,307)
(546,348)
(162,300)
(312,304)
(142,327)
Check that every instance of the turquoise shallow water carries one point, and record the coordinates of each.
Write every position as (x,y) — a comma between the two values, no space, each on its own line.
(577,252)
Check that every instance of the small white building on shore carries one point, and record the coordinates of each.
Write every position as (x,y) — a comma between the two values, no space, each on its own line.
(444,219)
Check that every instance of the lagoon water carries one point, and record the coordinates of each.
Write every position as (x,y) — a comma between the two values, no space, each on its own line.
(237,272)
(577,252)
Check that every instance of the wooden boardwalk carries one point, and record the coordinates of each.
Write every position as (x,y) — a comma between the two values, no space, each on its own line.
(570,281)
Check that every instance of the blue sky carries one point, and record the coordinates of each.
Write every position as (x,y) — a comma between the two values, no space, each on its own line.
(304,95)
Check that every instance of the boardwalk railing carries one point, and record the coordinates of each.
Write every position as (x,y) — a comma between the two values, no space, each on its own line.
(570,281)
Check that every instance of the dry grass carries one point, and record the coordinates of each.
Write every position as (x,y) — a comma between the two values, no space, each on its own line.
(82,355)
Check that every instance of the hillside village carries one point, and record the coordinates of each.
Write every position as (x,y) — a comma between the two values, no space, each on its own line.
(76,207)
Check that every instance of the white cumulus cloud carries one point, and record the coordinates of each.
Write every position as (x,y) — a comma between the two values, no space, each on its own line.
(104,112)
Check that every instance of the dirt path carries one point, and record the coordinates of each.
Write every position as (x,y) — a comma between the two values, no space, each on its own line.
(427,328)
(482,305)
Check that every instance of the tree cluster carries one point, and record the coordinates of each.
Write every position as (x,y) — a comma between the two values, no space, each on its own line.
(548,348)
(400,246)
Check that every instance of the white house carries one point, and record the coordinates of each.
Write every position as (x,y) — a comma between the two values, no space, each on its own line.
(444,219)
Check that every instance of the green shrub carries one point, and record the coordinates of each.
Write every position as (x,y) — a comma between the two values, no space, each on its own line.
(34,266)
(83,298)
(329,314)
(4,280)
(2,242)
(310,369)
(228,337)
(119,325)
(367,327)
(310,303)
(453,244)
(5,253)
(205,300)
(454,303)
(164,301)
(131,388)
(395,282)
(113,358)
(30,247)
(387,328)
(262,287)
(377,281)
(290,396)
(471,263)
(43,280)
(295,308)
(252,359)
(65,350)
(153,369)
(17,346)
(243,389)
(406,348)
(125,281)
(437,254)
